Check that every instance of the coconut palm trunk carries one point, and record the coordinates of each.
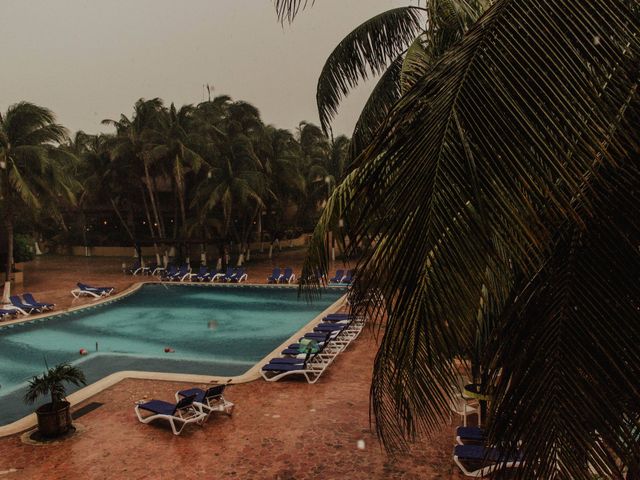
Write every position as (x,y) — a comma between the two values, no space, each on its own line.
(152,198)
(8,226)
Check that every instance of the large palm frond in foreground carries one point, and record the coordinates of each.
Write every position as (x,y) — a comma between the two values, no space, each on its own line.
(479,175)
(370,48)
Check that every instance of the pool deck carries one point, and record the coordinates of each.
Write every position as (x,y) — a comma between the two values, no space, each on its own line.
(283,430)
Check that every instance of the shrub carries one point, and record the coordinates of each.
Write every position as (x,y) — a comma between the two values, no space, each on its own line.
(23,250)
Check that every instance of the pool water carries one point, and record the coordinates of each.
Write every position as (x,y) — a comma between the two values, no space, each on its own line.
(217,330)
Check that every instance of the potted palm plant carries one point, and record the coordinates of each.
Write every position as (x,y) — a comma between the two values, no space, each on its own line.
(54,418)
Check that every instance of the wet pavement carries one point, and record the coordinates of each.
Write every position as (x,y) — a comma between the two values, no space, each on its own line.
(284,430)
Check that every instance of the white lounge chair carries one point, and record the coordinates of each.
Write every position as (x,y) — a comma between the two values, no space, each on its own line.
(485,460)
(88,291)
(272,372)
(208,401)
(178,415)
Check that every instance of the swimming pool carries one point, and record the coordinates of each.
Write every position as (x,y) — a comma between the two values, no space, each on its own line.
(209,330)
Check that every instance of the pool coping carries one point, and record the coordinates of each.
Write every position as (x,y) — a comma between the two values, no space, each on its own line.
(110,380)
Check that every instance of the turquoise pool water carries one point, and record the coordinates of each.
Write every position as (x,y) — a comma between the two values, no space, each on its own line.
(215,330)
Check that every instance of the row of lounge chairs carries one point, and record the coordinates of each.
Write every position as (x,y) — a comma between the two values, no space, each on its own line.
(278,276)
(316,350)
(193,405)
(184,273)
(24,306)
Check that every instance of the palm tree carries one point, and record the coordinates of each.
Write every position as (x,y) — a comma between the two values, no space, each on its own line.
(502,193)
(52,383)
(175,150)
(30,165)
(131,146)
(234,187)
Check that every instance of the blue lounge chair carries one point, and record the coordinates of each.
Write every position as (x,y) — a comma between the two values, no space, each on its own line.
(238,276)
(181,413)
(288,277)
(8,313)
(203,274)
(87,290)
(337,317)
(28,298)
(16,301)
(272,372)
(137,268)
(479,461)
(275,276)
(338,277)
(170,271)
(223,277)
(181,274)
(330,327)
(155,269)
(474,435)
(348,278)
(208,401)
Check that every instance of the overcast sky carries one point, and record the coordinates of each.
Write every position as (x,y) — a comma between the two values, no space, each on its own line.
(90,60)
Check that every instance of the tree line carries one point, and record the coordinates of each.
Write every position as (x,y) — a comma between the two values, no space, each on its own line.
(207,173)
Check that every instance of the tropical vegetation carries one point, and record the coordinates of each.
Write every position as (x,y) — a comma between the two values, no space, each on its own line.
(198,175)
(33,177)
(495,210)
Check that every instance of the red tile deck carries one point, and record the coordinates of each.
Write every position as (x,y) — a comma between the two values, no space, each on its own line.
(285,430)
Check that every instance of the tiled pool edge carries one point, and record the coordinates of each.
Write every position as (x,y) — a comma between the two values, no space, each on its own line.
(94,388)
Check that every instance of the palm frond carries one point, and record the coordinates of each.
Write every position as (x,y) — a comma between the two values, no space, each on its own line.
(482,159)
(568,394)
(369,49)
(382,97)
(415,64)
(316,265)
(289,9)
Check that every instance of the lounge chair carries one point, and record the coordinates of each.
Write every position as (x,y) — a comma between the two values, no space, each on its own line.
(330,327)
(348,278)
(178,414)
(16,301)
(272,372)
(182,273)
(138,269)
(337,317)
(203,274)
(4,313)
(309,351)
(474,435)
(168,273)
(223,276)
(275,276)
(473,459)
(28,298)
(288,277)
(208,401)
(238,276)
(301,347)
(155,269)
(338,277)
(87,290)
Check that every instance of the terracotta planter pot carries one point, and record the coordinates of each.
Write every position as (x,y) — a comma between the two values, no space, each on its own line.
(53,423)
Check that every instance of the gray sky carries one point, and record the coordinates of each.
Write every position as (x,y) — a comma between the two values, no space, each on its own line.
(90,60)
